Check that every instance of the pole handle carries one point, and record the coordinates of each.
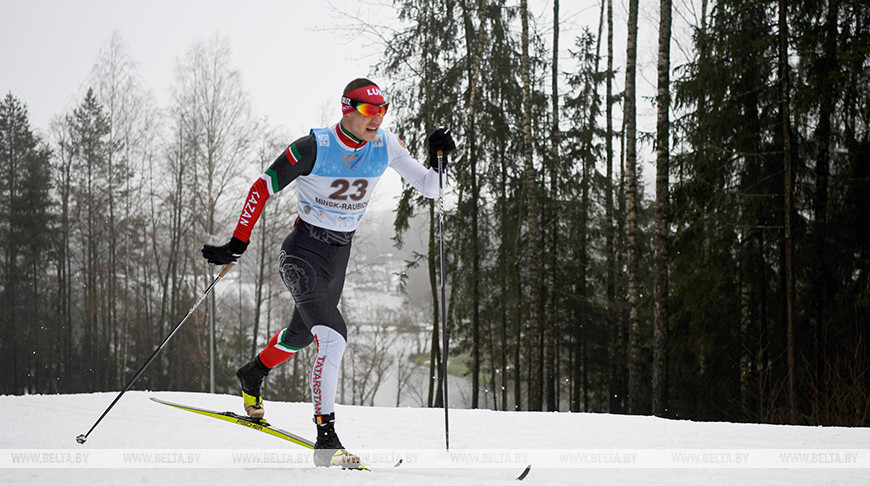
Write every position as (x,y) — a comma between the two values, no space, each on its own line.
(226,269)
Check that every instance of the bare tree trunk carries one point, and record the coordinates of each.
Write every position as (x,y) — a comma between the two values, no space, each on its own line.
(533,237)
(63,184)
(551,377)
(519,329)
(662,240)
(609,233)
(621,347)
(634,365)
(474,54)
(504,285)
(746,359)
(820,201)
(788,207)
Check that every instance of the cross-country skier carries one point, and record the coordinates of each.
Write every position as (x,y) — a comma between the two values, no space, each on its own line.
(335,169)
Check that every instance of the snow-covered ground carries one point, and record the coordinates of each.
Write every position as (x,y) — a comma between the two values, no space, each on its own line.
(142,442)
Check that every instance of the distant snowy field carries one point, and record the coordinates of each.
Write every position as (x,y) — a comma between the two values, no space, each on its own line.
(142,442)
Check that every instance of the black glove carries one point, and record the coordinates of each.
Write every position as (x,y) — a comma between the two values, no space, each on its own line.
(223,255)
(442,141)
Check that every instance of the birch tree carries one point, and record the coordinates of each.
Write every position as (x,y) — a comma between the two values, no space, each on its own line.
(132,123)
(216,125)
(631,195)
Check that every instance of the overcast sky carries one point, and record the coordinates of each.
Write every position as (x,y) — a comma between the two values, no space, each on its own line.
(294,57)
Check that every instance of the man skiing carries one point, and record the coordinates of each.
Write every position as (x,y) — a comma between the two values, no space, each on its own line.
(335,169)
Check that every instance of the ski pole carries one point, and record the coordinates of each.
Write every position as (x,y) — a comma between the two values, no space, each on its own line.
(441,169)
(83,437)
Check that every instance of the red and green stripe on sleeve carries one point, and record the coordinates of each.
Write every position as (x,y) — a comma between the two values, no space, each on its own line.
(293,154)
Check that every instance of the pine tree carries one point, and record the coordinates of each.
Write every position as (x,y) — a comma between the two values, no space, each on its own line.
(421,52)
(25,226)
(90,128)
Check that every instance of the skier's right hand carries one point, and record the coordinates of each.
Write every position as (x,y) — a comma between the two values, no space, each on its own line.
(225,254)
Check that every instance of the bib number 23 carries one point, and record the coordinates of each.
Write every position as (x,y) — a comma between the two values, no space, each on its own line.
(345,189)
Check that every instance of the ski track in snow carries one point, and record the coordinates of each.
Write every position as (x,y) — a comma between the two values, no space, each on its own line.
(50,423)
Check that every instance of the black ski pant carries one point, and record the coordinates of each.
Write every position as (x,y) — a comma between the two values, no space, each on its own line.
(313,263)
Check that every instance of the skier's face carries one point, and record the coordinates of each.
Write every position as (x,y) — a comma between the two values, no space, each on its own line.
(361,126)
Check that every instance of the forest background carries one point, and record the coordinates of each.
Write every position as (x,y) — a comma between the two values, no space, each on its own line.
(729,283)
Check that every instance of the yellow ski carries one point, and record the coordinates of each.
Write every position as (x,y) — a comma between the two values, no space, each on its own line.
(259,425)
(252,423)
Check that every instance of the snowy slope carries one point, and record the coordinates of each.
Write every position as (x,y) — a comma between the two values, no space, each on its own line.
(141,442)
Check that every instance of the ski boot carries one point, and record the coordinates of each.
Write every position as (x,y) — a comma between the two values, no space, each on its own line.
(328,450)
(250,378)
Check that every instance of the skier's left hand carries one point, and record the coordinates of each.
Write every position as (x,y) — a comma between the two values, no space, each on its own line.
(440,141)
(225,254)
